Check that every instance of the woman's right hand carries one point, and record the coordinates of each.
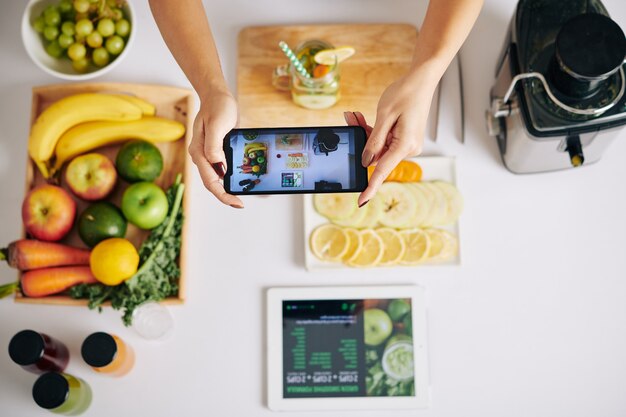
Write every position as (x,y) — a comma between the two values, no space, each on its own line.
(217,116)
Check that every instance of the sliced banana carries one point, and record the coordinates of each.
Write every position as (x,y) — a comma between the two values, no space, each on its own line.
(339,206)
(454,202)
(399,205)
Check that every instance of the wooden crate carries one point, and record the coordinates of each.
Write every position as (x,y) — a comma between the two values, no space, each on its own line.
(172,103)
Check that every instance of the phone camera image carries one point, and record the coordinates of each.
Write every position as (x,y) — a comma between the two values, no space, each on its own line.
(295,160)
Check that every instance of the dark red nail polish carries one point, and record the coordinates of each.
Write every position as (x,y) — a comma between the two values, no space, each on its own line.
(364,203)
(219,168)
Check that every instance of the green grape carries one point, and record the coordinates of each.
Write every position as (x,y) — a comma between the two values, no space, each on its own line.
(115,45)
(76,51)
(83,27)
(100,57)
(94,40)
(117,13)
(106,27)
(50,32)
(68,28)
(65,6)
(65,40)
(50,9)
(81,6)
(54,49)
(122,28)
(52,17)
(80,65)
(39,24)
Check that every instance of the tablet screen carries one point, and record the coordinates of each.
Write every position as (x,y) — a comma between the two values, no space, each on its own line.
(347,348)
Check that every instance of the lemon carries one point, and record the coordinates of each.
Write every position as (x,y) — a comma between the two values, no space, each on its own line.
(394,246)
(437,244)
(417,246)
(113,261)
(372,249)
(355,243)
(329,242)
(451,246)
(330,56)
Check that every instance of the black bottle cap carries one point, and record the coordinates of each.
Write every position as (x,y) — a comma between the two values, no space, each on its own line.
(99,349)
(51,390)
(590,46)
(26,347)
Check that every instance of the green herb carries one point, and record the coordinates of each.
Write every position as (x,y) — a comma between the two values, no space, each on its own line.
(8,289)
(158,274)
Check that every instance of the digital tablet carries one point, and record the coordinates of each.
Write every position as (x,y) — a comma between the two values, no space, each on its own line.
(347,348)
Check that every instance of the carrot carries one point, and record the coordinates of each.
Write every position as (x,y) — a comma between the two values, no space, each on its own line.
(48,281)
(28,254)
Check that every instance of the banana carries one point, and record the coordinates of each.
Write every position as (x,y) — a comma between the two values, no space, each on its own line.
(68,112)
(91,135)
(148,109)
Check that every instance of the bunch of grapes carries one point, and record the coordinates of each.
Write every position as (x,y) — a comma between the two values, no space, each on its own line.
(85,31)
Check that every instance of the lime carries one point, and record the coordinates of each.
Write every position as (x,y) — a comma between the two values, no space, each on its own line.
(139,160)
(101,221)
(398,309)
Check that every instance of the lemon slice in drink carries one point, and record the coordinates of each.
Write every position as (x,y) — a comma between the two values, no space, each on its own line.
(329,242)
(355,243)
(417,246)
(372,249)
(394,246)
(328,56)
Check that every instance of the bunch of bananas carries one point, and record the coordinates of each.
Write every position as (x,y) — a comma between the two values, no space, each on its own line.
(82,122)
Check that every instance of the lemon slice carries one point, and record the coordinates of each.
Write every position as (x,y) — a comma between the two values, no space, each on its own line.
(394,246)
(417,246)
(328,56)
(451,248)
(355,243)
(437,244)
(372,249)
(329,242)
(338,206)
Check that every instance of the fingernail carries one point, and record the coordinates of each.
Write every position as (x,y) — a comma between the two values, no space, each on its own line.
(345,115)
(237,206)
(219,168)
(367,159)
(363,203)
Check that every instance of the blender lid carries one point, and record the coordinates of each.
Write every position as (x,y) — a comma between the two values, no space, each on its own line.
(566,31)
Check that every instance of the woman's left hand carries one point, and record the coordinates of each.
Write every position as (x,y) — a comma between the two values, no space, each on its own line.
(399,130)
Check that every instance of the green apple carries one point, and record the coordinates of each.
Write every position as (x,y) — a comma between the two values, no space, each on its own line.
(144,204)
(377,326)
(398,309)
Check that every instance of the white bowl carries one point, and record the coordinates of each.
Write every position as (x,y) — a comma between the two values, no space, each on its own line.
(62,67)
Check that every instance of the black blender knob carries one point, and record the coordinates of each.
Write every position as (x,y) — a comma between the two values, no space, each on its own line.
(590,47)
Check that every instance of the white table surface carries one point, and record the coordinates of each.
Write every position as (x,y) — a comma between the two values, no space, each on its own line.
(533,323)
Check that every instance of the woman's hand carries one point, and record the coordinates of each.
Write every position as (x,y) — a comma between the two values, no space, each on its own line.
(217,116)
(399,130)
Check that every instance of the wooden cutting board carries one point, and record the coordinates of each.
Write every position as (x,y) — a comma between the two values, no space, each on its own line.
(383,54)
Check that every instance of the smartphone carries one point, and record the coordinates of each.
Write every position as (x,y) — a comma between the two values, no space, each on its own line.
(295,160)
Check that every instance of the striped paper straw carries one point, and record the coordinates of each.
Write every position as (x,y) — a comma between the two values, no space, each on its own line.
(294,60)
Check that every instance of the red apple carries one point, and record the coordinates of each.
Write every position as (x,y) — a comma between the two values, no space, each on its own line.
(91,177)
(48,212)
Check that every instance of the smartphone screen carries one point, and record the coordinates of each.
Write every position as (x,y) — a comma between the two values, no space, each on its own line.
(295,160)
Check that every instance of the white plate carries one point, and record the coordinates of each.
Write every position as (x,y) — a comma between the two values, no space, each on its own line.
(434,168)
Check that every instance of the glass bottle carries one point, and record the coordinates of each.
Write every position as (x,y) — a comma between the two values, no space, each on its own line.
(107,353)
(62,393)
(38,352)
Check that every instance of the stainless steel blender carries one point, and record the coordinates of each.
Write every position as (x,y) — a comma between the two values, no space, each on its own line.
(558,100)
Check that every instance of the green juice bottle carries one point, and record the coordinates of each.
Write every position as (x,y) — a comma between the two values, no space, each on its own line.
(62,393)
